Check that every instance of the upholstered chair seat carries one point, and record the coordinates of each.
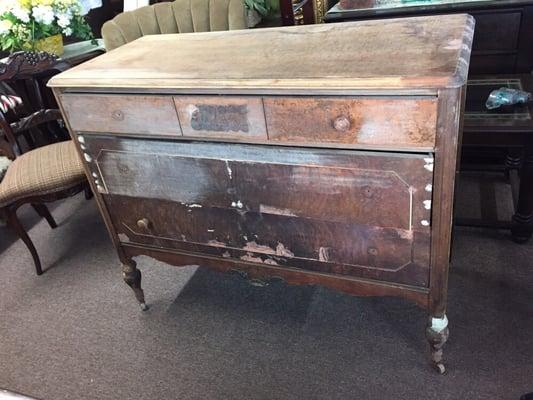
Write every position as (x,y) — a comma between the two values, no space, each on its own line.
(39,175)
(45,170)
(180,16)
(4,165)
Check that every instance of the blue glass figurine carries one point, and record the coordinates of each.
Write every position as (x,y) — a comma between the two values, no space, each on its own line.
(506,96)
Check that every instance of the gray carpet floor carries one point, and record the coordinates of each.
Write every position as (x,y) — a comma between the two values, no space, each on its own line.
(76,332)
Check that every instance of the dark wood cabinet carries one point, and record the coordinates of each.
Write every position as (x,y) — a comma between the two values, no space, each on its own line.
(503,41)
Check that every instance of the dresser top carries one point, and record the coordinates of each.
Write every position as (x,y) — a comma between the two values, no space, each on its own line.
(398,54)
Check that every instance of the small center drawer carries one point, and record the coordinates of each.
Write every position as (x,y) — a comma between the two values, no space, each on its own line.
(228,117)
(128,114)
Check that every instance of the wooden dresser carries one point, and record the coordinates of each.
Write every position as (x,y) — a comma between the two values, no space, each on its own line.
(217,149)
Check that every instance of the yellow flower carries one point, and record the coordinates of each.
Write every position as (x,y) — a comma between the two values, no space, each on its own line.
(25,4)
(40,2)
(5,26)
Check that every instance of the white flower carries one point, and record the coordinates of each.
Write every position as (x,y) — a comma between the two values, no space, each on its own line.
(43,14)
(63,20)
(67,31)
(5,26)
(20,13)
(87,5)
(7,5)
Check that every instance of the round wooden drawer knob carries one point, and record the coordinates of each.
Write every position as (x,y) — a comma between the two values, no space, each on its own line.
(195,113)
(117,115)
(143,223)
(341,124)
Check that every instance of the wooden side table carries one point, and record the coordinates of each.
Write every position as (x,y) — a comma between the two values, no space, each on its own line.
(508,127)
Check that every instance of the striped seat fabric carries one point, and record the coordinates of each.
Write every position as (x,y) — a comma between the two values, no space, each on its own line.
(42,171)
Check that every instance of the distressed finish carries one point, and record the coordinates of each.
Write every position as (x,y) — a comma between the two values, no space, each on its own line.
(118,114)
(353,120)
(328,58)
(365,208)
(221,117)
(341,177)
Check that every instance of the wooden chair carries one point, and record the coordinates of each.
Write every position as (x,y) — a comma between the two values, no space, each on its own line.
(40,175)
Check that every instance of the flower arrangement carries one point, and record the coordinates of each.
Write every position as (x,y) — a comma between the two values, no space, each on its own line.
(23,23)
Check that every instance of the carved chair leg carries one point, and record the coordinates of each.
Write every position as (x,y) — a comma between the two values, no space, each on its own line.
(437,334)
(43,211)
(14,223)
(132,276)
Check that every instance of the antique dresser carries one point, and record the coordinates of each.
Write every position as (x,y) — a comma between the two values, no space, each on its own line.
(320,154)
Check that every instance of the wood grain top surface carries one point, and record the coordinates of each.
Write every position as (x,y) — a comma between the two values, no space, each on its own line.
(409,53)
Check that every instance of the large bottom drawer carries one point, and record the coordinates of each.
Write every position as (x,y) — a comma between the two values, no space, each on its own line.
(339,212)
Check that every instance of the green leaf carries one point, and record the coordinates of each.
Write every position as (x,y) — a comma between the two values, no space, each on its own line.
(261,10)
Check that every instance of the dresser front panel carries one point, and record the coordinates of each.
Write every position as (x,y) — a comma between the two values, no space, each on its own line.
(121,114)
(396,123)
(344,212)
(382,122)
(224,117)
(383,254)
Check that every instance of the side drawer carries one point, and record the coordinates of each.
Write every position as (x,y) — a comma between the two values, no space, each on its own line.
(397,123)
(128,114)
(340,212)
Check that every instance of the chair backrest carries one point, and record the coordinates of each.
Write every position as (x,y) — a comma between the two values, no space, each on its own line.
(24,65)
(180,16)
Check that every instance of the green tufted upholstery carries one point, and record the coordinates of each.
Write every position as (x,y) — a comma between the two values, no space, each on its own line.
(180,16)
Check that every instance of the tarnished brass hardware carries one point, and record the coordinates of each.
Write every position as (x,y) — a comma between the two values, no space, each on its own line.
(117,115)
(143,223)
(342,124)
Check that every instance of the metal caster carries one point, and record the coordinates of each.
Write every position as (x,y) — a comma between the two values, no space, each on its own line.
(441,369)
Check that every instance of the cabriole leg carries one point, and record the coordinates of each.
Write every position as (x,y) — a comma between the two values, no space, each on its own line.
(132,276)
(437,334)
